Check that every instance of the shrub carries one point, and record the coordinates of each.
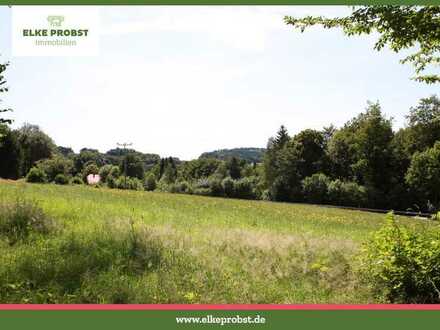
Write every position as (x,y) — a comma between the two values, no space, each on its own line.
(90,168)
(402,265)
(215,185)
(244,188)
(315,188)
(181,187)
(150,182)
(36,175)
(228,186)
(112,182)
(18,220)
(104,172)
(76,180)
(129,183)
(54,166)
(202,187)
(346,193)
(61,179)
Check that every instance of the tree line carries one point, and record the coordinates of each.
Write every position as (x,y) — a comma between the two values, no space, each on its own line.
(364,163)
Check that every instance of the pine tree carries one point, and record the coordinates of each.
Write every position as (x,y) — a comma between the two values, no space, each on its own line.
(234,168)
(282,138)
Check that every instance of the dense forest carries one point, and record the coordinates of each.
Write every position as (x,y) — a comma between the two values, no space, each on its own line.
(252,155)
(364,163)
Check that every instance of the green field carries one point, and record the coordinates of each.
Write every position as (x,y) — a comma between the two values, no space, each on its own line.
(115,246)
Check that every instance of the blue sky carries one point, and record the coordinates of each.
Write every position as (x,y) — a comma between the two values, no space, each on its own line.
(183,80)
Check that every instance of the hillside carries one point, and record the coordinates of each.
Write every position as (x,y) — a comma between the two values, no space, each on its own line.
(113,246)
(251,155)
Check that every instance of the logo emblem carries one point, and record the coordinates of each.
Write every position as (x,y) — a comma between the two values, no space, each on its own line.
(55,21)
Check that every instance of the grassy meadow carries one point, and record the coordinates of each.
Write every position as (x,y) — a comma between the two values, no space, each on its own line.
(96,245)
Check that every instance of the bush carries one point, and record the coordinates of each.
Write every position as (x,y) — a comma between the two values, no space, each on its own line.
(19,220)
(403,266)
(202,187)
(129,183)
(150,182)
(54,166)
(228,186)
(215,185)
(104,172)
(244,188)
(76,180)
(315,188)
(61,179)
(181,187)
(36,175)
(90,168)
(346,194)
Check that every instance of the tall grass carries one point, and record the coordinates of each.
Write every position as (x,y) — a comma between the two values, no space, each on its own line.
(137,247)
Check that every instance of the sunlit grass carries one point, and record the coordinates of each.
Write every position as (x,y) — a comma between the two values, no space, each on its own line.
(207,250)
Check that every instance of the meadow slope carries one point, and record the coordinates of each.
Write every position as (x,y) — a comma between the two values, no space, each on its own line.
(115,246)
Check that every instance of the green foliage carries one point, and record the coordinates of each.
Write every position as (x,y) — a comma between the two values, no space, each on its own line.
(234,168)
(20,219)
(137,247)
(423,175)
(244,188)
(128,183)
(200,168)
(399,27)
(315,188)
(3,89)
(423,125)
(55,166)
(347,194)
(89,168)
(310,145)
(109,170)
(150,182)
(10,154)
(403,265)
(61,179)
(250,155)
(36,175)
(85,157)
(228,186)
(76,180)
(133,166)
(35,145)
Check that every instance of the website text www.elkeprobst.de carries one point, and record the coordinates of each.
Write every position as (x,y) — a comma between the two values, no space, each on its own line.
(230,320)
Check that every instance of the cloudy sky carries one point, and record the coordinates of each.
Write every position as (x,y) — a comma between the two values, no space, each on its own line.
(183,80)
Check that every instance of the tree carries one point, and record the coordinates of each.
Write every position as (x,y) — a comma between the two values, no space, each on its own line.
(35,145)
(87,156)
(3,89)
(133,166)
(65,151)
(311,152)
(424,124)
(10,154)
(200,168)
(169,171)
(423,175)
(55,166)
(399,27)
(234,168)
(362,148)
(271,157)
(282,137)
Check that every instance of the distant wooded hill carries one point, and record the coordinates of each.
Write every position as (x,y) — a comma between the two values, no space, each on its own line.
(252,155)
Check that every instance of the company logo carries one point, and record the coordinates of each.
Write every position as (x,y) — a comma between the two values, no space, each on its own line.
(65,31)
(55,21)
